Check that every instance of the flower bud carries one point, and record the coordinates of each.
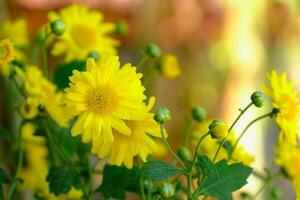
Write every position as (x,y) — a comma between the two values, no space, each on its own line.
(58,27)
(218,129)
(153,50)
(257,99)
(94,54)
(276,193)
(184,153)
(121,28)
(199,114)
(162,115)
(167,190)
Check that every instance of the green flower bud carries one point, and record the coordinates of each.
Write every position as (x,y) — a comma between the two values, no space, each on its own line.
(162,115)
(167,190)
(257,99)
(153,50)
(94,54)
(121,28)
(199,114)
(218,129)
(58,27)
(276,193)
(184,153)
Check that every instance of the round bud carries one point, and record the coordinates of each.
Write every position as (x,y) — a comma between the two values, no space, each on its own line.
(121,28)
(153,50)
(257,99)
(162,115)
(58,27)
(276,193)
(167,190)
(218,129)
(94,54)
(184,153)
(199,114)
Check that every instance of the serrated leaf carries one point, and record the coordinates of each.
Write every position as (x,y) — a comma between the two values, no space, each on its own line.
(61,180)
(220,179)
(62,73)
(118,180)
(159,170)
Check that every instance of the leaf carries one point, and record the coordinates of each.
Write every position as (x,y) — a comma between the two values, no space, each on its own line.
(159,170)
(221,179)
(117,180)
(3,180)
(61,180)
(228,146)
(62,73)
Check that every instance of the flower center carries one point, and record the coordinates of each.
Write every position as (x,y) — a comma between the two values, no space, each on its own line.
(102,100)
(84,35)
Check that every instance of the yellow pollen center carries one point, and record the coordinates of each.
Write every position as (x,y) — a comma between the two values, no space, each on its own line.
(84,35)
(102,100)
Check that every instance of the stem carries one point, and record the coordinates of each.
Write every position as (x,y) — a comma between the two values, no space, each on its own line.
(19,166)
(189,184)
(188,132)
(142,62)
(14,80)
(143,196)
(267,181)
(270,114)
(230,128)
(196,150)
(169,147)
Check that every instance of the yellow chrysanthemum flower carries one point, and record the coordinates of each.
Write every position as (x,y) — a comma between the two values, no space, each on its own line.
(16,31)
(125,147)
(169,66)
(43,92)
(7,54)
(29,108)
(288,157)
(286,100)
(104,97)
(85,32)
(209,145)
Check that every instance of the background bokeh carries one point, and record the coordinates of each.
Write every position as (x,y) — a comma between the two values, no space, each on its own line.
(225,48)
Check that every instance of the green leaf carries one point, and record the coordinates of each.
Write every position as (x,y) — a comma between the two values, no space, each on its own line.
(62,73)
(221,179)
(228,146)
(61,180)
(117,180)
(159,170)
(3,180)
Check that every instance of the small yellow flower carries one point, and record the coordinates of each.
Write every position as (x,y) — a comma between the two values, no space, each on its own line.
(29,108)
(16,31)
(6,50)
(169,66)
(104,97)
(85,32)
(286,100)
(125,147)
(43,92)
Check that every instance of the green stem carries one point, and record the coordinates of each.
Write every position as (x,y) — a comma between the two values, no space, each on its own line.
(230,128)
(19,165)
(270,114)
(141,63)
(170,149)
(188,131)
(14,80)
(142,189)
(189,186)
(267,181)
(196,150)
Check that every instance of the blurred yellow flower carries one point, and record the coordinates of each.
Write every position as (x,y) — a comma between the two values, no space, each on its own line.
(29,108)
(169,66)
(286,100)
(160,151)
(125,147)
(85,32)
(209,145)
(7,54)
(16,31)
(104,97)
(42,91)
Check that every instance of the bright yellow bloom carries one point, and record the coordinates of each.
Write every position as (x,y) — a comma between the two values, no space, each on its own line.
(286,100)
(85,32)
(160,151)
(16,31)
(7,54)
(209,145)
(125,147)
(169,66)
(43,92)
(104,97)
(36,169)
